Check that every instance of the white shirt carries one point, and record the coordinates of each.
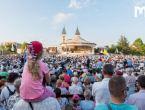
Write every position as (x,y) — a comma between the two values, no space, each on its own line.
(5,92)
(75,89)
(137,99)
(101,92)
(49,103)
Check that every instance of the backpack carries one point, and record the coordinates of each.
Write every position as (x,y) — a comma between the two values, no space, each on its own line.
(10,94)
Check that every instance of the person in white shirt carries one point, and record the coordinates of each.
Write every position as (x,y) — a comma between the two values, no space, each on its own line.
(75,89)
(49,103)
(100,90)
(138,99)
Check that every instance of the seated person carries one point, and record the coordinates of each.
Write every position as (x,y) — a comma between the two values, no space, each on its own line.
(63,89)
(64,84)
(75,101)
(66,76)
(90,75)
(87,104)
(88,79)
(69,107)
(86,85)
(62,101)
(118,91)
(75,89)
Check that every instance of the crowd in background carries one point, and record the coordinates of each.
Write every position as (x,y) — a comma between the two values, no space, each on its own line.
(76,83)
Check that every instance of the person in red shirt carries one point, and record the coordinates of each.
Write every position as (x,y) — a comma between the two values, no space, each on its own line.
(66,76)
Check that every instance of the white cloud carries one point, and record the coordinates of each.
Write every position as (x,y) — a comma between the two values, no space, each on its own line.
(138,2)
(43,18)
(61,17)
(78,5)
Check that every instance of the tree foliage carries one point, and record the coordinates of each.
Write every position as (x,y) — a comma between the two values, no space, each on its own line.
(9,47)
(140,45)
(23,46)
(2,46)
(111,49)
(123,45)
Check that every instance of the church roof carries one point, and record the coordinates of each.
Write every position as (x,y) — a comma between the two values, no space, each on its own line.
(64,32)
(77,32)
(77,39)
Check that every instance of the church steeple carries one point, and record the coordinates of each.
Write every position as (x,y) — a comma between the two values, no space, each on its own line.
(77,32)
(64,32)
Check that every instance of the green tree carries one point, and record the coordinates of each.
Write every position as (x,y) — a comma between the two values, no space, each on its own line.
(23,46)
(140,45)
(2,46)
(9,47)
(123,45)
(111,49)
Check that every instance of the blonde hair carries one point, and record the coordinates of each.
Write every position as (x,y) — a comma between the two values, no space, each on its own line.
(33,67)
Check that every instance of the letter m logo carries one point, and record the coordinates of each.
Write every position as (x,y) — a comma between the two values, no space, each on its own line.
(137,8)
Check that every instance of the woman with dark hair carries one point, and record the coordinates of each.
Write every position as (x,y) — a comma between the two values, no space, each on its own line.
(10,89)
(62,101)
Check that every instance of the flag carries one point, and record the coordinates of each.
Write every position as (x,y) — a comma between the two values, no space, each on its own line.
(116,51)
(25,55)
(134,47)
(106,53)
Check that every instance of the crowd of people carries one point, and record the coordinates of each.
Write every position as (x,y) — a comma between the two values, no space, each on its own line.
(71,82)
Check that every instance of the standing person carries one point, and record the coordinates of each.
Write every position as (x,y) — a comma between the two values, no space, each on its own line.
(129,62)
(88,62)
(117,88)
(4,73)
(133,62)
(130,81)
(99,65)
(35,75)
(22,60)
(138,99)
(125,63)
(10,89)
(100,90)
(16,97)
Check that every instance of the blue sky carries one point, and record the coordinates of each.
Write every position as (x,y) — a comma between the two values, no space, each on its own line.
(99,21)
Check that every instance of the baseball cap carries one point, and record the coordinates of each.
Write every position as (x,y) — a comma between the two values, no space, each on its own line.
(76,97)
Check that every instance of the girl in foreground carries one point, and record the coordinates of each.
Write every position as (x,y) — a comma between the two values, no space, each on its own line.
(35,75)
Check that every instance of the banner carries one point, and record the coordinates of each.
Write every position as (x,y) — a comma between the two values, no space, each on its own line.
(52,49)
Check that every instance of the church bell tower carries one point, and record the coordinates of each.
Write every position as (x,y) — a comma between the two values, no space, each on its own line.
(63,39)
